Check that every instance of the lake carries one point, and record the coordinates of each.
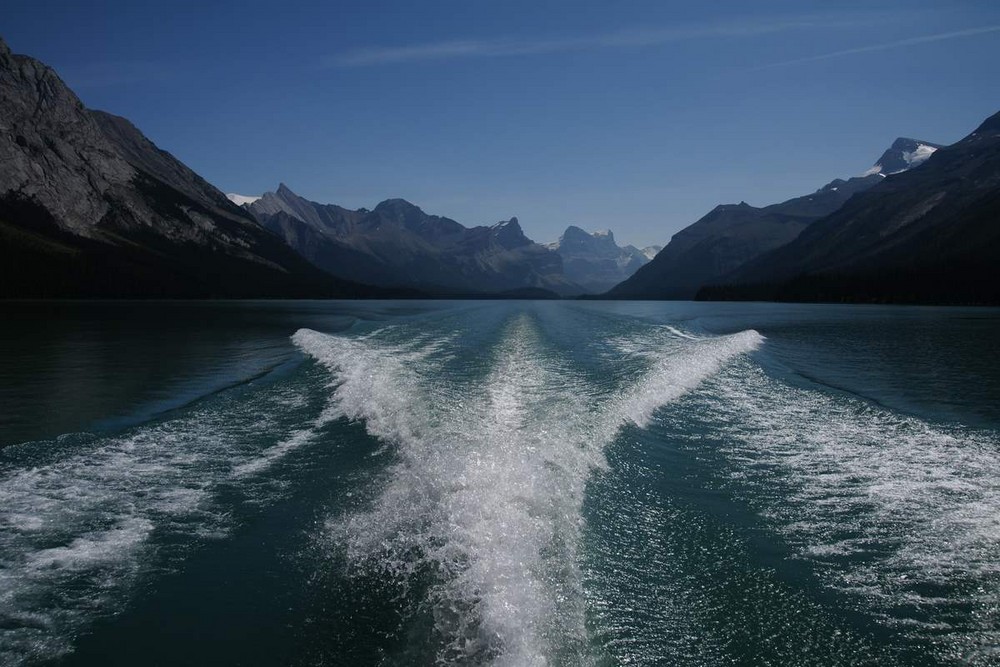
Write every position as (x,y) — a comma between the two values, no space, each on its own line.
(502,482)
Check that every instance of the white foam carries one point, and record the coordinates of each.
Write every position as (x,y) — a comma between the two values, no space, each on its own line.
(76,524)
(74,530)
(489,479)
(473,489)
(680,334)
(675,375)
(90,550)
(916,506)
(296,440)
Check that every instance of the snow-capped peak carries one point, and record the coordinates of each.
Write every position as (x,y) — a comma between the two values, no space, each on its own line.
(507,223)
(241,200)
(904,154)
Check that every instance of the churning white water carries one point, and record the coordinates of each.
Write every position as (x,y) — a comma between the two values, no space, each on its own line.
(490,478)
(76,527)
(899,514)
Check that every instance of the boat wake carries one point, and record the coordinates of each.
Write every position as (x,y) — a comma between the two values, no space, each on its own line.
(488,483)
(521,485)
(898,514)
(83,517)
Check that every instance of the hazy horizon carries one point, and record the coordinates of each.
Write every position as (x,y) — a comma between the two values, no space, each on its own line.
(638,121)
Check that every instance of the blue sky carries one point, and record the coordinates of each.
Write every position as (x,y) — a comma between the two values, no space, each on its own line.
(634,116)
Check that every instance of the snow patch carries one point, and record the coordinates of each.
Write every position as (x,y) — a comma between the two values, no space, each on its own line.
(241,200)
(505,223)
(650,251)
(919,155)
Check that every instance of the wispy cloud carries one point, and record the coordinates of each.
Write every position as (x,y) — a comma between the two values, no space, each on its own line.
(885,46)
(483,48)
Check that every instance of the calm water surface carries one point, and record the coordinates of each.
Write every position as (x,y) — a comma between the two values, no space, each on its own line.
(508,483)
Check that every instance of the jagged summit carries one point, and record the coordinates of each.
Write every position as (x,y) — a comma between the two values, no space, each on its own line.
(904,154)
(513,222)
(508,234)
(577,236)
(928,235)
(573,232)
(730,235)
(595,260)
(398,244)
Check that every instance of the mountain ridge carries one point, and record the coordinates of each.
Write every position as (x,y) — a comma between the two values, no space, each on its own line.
(397,244)
(730,235)
(926,235)
(90,207)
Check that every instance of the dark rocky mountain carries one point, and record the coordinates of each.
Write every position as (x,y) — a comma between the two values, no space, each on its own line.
(398,245)
(595,261)
(902,155)
(731,235)
(927,235)
(89,207)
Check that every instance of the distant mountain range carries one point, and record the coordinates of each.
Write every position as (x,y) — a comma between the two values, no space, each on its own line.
(731,235)
(396,244)
(89,207)
(595,262)
(930,234)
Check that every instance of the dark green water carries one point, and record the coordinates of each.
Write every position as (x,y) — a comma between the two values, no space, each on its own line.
(509,483)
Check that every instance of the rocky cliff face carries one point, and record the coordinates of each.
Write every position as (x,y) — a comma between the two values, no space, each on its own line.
(52,149)
(595,261)
(397,244)
(90,207)
(731,235)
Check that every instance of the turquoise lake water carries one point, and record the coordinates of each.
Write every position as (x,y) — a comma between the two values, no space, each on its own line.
(498,483)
